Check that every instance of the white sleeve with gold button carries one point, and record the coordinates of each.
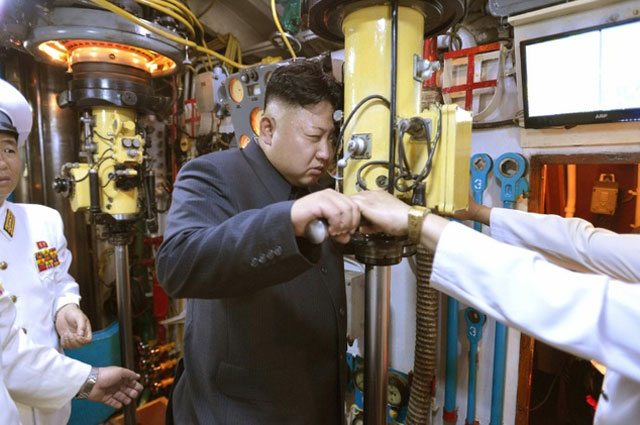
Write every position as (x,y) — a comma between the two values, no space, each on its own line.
(67,290)
(33,374)
(8,411)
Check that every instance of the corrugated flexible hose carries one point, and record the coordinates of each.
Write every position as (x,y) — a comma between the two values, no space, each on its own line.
(419,409)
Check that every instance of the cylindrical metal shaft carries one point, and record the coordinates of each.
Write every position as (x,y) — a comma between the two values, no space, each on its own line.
(123,289)
(376,350)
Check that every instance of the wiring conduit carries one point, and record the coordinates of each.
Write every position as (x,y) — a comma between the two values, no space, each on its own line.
(146,25)
(274,12)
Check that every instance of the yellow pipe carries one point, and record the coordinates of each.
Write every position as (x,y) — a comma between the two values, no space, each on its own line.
(277,21)
(193,18)
(123,13)
(570,206)
(368,52)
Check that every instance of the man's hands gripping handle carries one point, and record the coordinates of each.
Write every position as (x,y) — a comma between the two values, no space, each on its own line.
(325,213)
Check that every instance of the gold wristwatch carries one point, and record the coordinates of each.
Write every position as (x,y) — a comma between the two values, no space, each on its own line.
(417,215)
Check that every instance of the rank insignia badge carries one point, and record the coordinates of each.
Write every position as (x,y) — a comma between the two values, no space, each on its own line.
(9,222)
(41,245)
(47,259)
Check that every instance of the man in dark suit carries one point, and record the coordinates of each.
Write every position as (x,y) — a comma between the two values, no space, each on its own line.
(265,325)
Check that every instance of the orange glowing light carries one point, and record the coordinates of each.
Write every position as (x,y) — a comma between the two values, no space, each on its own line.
(244,141)
(254,117)
(236,90)
(69,52)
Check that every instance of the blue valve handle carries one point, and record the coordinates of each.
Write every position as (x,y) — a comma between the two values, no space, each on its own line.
(481,165)
(475,321)
(510,169)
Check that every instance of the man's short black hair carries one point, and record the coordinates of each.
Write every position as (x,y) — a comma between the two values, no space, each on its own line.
(303,83)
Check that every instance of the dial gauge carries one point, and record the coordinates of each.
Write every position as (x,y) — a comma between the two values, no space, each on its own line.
(236,90)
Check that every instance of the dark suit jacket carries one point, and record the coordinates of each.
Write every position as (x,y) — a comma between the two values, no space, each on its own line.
(265,329)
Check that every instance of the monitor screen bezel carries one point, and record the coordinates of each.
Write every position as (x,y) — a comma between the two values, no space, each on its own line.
(572,118)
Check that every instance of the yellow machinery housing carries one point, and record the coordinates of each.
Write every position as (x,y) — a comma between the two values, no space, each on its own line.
(117,157)
(367,51)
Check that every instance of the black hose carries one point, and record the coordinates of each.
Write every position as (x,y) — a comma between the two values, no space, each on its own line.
(353,112)
(495,124)
(394,78)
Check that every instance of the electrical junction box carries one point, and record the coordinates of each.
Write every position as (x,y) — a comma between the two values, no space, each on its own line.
(604,197)
(209,90)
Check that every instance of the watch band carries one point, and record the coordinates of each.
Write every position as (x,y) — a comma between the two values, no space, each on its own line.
(86,388)
(416,218)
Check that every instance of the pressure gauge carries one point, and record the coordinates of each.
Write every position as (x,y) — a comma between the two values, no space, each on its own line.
(256,115)
(244,141)
(397,391)
(358,378)
(236,90)
(394,397)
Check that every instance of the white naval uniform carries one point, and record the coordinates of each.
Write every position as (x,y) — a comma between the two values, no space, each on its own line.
(593,313)
(32,374)
(37,238)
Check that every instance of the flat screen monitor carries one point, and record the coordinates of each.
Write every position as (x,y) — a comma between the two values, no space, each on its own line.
(582,77)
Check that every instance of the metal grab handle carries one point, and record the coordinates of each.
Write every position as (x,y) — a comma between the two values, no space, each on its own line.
(317,231)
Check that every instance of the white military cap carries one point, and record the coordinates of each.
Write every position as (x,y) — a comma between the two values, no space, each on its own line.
(15,112)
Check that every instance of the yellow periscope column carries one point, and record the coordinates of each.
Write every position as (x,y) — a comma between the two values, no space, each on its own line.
(119,153)
(367,71)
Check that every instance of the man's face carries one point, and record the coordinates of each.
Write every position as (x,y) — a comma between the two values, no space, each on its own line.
(298,141)
(10,165)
